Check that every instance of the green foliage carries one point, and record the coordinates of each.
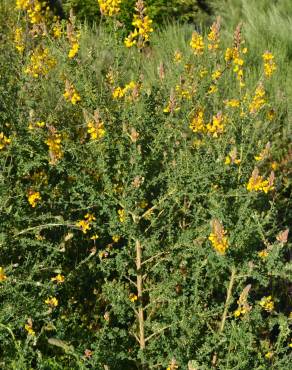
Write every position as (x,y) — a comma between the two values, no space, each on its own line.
(153,186)
(159,10)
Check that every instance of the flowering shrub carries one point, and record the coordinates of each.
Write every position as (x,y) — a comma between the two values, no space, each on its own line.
(144,197)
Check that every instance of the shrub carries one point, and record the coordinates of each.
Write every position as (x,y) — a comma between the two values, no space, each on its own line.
(144,219)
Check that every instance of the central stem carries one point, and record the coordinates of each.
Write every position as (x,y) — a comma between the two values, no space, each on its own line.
(140,294)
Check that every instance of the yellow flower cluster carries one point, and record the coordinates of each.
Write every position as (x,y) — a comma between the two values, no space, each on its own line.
(36,10)
(95,130)
(19,40)
(234,55)
(177,58)
(197,43)
(142,23)
(28,328)
(133,297)
(267,303)
(214,128)
(258,100)
(263,253)
(264,153)
(37,124)
(73,38)
(3,277)
(59,279)
(33,198)
(231,158)
(232,103)
(4,141)
(269,64)
(70,94)
(109,7)
(40,62)
(57,30)
(197,124)
(243,306)
(52,302)
(218,237)
(122,215)
(213,36)
(172,104)
(183,91)
(130,91)
(55,148)
(257,183)
(85,224)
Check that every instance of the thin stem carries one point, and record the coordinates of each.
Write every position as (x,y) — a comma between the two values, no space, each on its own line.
(227,302)
(140,295)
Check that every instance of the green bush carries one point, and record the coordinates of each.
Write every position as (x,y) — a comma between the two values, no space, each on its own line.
(129,238)
(159,10)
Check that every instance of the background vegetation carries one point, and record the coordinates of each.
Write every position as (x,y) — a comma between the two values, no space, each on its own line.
(129,237)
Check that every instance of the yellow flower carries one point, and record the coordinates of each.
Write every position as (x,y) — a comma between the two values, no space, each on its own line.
(217,125)
(70,94)
(29,329)
(57,31)
(197,43)
(258,100)
(109,7)
(177,57)
(231,158)
(213,36)
(229,54)
(85,224)
(243,306)
(269,355)
(257,183)
(59,279)
(234,103)
(33,197)
(52,302)
(95,130)
(116,238)
(143,28)
(216,75)
(203,72)
(122,215)
(19,40)
(269,64)
(218,237)
(55,149)
(212,89)
(130,91)
(197,124)
(37,11)
(74,50)
(4,141)
(274,165)
(41,63)
(118,93)
(133,297)
(267,303)
(263,253)
(264,153)
(3,277)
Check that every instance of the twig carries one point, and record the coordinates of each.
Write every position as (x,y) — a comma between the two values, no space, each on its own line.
(229,292)
(157,332)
